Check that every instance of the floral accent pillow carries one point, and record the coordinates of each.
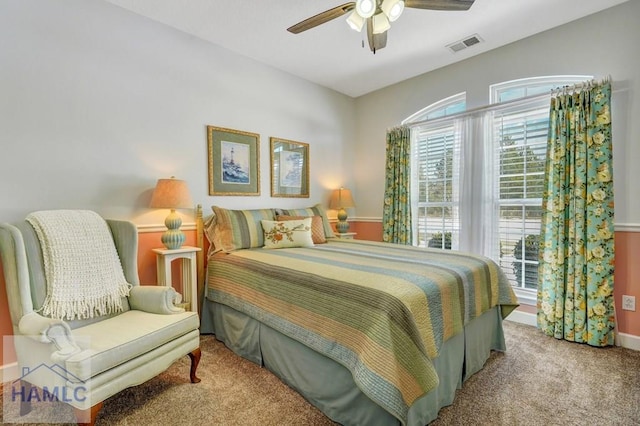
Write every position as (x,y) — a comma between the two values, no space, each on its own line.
(289,233)
(317,228)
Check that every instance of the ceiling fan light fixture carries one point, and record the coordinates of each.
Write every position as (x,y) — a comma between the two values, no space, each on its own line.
(380,23)
(366,8)
(355,21)
(392,8)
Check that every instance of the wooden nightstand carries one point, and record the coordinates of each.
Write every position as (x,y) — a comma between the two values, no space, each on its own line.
(346,235)
(164,257)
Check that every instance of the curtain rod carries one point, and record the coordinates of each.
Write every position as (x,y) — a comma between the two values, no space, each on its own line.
(525,99)
(580,86)
(481,109)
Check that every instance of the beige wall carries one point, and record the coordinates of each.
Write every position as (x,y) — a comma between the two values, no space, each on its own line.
(97,103)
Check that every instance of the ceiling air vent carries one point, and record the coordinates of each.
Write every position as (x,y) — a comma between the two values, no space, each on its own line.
(463,44)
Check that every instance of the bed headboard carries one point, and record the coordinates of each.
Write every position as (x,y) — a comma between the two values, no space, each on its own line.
(200,256)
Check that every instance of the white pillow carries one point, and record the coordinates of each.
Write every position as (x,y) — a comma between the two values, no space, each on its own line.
(288,233)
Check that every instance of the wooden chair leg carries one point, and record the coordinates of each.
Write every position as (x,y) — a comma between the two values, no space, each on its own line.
(195,360)
(90,413)
(25,401)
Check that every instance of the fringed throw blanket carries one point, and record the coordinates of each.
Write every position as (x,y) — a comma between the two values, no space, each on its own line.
(81,264)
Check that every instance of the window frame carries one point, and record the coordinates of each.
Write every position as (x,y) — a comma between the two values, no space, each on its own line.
(516,117)
(436,111)
(530,87)
(504,100)
(540,85)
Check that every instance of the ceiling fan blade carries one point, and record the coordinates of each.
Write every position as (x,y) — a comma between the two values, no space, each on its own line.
(453,5)
(376,41)
(321,18)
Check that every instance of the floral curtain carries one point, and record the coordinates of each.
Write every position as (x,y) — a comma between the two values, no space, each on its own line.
(396,213)
(575,288)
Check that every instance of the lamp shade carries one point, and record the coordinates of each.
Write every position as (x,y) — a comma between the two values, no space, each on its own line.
(171,194)
(341,198)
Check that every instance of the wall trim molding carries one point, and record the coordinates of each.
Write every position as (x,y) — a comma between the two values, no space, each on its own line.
(154,227)
(628,341)
(619,227)
(521,317)
(9,372)
(367,219)
(191,226)
(627,227)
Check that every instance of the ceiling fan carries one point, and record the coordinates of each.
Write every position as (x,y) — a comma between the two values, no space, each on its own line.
(377,14)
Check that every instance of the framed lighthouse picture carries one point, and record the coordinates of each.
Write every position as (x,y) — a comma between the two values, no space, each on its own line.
(234,161)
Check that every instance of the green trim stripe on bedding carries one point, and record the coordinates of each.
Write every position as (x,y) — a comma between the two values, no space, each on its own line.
(381,310)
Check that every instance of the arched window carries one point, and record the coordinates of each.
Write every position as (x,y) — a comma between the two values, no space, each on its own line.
(448,106)
(512,131)
(433,176)
(525,87)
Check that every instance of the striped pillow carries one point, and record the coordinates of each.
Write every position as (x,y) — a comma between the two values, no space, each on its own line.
(316,210)
(237,229)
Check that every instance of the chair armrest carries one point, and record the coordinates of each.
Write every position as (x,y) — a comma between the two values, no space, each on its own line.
(49,330)
(154,299)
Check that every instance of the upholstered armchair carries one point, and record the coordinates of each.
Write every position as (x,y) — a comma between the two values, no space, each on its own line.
(71,346)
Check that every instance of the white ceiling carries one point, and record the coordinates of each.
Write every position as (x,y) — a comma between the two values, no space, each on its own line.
(332,54)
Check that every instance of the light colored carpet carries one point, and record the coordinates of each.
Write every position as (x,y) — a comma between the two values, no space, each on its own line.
(538,381)
(544,381)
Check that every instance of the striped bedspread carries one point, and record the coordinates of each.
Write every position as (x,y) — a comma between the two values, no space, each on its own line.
(381,310)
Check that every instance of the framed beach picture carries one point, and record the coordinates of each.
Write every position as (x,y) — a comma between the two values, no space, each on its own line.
(289,168)
(234,162)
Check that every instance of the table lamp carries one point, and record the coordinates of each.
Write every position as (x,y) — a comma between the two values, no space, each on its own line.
(172,194)
(341,199)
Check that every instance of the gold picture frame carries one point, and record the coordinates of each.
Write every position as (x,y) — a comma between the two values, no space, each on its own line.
(289,168)
(234,161)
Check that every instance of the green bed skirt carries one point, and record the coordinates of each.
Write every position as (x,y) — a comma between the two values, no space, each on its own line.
(330,387)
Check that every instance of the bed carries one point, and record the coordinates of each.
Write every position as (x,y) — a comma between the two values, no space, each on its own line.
(370,333)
